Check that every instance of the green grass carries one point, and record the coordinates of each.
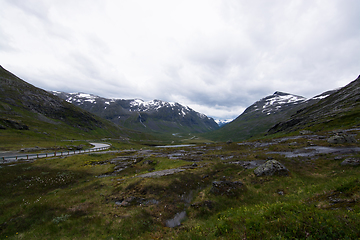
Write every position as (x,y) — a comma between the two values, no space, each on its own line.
(63,198)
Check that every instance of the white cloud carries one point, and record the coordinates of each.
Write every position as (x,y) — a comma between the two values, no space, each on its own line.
(216,56)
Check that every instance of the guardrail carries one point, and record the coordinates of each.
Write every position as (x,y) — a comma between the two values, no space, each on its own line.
(54,154)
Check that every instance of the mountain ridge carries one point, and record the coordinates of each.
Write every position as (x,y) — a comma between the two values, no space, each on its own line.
(259,117)
(154,115)
(339,107)
(28,112)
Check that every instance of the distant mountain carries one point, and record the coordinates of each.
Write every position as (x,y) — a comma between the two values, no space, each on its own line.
(262,115)
(340,109)
(36,112)
(222,123)
(155,115)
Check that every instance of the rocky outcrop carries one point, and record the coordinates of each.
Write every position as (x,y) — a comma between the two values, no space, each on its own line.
(270,168)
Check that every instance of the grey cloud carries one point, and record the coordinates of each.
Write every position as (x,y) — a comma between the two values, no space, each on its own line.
(254,49)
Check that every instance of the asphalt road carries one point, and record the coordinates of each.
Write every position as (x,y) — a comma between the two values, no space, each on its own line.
(6,157)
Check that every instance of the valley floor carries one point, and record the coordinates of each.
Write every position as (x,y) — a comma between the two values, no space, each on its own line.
(202,191)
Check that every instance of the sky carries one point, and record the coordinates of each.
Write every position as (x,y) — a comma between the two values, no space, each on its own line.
(216,56)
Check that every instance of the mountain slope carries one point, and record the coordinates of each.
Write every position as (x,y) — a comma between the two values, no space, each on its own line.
(155,115)
(263,114)
(36,113)
(341,109)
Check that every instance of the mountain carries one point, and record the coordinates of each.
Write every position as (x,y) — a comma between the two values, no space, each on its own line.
(341,109)
(262,115)
(155,115)
(222,123)
(36,113)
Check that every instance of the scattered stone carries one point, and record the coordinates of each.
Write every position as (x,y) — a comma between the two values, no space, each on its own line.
(270,168)
(351,162)
(227,187)
(293,144)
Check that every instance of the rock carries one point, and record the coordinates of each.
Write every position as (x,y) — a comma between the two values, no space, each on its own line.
(341,138)
(128,201)
(305,132)
(270,168)
(208,204)
(227,187)
(148,162)
(80,147)
(351,162)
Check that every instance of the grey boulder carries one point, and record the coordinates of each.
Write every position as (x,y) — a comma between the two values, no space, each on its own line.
(270,168)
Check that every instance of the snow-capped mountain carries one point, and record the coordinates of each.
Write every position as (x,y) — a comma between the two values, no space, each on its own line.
(137,114)
(275,103)
(264,114)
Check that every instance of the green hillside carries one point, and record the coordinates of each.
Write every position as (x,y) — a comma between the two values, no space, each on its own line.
(30,116)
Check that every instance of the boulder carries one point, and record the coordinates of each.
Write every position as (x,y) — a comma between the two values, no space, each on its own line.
(227,187)
(341,138)
(351,162)
(270,168)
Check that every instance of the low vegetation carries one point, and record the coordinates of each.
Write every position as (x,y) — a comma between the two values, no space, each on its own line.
(111,195)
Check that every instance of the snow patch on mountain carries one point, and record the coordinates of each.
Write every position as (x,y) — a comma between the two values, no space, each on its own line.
(222,122)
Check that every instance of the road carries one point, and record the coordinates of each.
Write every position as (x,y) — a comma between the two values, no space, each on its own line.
(6,157)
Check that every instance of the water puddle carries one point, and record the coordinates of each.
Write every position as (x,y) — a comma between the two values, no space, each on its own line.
(176,220)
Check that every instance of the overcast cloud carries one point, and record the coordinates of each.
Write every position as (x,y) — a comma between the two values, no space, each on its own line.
(217,57)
